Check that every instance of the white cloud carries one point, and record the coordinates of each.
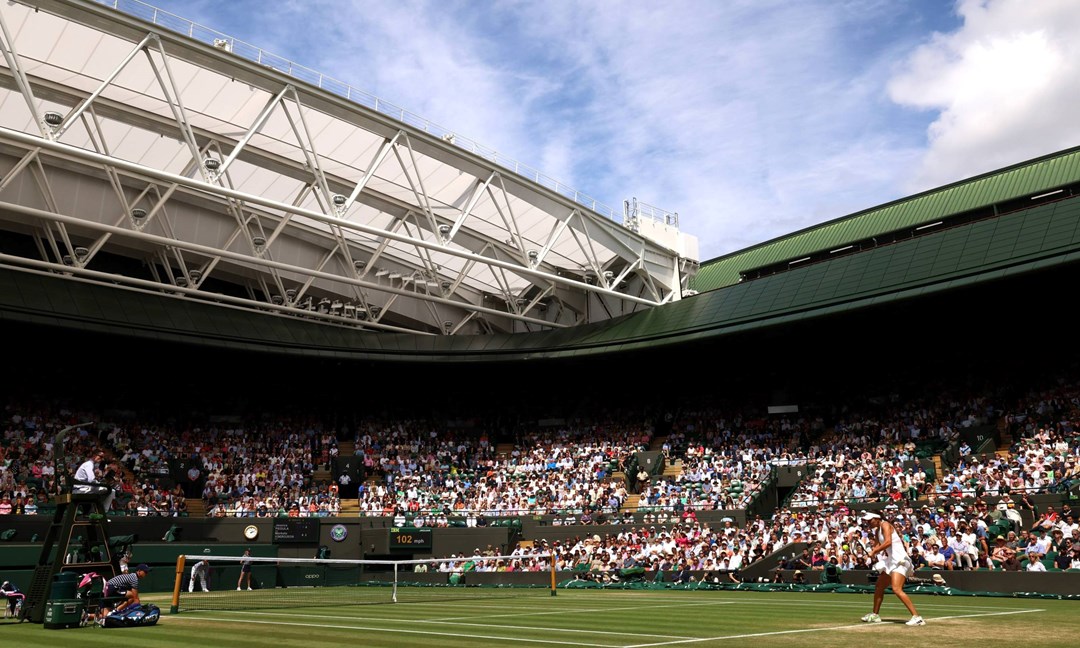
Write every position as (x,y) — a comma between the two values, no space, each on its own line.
(751,118)
(748,119)
(1004,85)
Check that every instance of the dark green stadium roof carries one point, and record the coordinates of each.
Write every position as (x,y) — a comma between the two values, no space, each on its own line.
(991,230)
(1027,178)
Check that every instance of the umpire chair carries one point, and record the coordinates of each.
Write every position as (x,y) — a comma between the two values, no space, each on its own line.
(78,538)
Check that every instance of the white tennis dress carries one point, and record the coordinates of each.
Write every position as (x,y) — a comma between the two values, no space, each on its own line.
(895,558)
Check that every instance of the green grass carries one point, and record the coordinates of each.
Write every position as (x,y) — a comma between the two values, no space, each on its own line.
(607,619)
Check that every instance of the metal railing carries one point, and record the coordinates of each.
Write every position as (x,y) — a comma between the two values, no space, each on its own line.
(239,48)
(634,208)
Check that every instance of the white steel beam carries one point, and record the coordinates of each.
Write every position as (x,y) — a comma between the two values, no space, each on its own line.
(224,192)
(166,243)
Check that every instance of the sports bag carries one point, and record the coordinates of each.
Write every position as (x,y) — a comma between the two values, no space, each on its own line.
(132,616)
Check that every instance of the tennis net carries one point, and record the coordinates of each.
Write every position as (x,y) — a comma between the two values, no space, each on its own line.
(249,583)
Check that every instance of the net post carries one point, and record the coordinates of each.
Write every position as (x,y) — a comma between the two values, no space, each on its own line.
(394,595)
(175,607)
(553,573)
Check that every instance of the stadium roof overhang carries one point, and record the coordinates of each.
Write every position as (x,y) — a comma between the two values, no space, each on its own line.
(1015,188)
(1016,246)
(215,166)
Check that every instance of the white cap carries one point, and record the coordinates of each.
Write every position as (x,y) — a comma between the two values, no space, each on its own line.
(867,516)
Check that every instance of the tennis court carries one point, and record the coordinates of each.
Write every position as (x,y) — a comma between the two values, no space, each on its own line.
(607,619)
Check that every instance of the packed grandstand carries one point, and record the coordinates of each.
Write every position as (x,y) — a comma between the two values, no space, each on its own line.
(343,366)
(425,473)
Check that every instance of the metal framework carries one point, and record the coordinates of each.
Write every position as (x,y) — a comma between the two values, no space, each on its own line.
(139,157)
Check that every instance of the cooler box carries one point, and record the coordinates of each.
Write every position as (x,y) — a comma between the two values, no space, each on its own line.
(64,613)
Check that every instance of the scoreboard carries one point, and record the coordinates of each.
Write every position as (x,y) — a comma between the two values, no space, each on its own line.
(292,530)
(410,539)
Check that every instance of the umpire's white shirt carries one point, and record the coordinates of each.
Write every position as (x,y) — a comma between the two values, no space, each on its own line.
(85,473)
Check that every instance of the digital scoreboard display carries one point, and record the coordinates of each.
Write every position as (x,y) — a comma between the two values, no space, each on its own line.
(296,530)
(410,539)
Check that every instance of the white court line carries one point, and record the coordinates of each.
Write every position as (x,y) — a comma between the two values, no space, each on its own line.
(804,630)
(396,630)
(785,601)
(968,616)
(644,596)
(438,622)
(582,610)
(470,603)
(850,603)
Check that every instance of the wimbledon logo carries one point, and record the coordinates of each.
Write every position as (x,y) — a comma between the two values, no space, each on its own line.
(338,532)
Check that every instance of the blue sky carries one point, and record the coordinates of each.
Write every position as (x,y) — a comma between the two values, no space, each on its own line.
(750,118)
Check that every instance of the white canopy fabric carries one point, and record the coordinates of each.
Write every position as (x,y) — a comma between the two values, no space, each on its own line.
(298,146)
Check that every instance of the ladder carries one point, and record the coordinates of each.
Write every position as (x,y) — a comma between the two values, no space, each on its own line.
(77,540)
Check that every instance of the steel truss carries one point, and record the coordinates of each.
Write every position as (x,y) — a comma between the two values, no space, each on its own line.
(427,270)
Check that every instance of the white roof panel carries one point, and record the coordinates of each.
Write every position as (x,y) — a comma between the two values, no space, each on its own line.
(222,95)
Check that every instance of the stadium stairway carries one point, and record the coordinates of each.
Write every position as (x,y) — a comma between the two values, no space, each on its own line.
(503,450)
(350,508)
(1004,448)
(939,466)
(764,567)
(673,469)
(196,507)
(631,503)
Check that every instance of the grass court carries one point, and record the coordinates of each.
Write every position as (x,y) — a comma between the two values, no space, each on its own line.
(601,619)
